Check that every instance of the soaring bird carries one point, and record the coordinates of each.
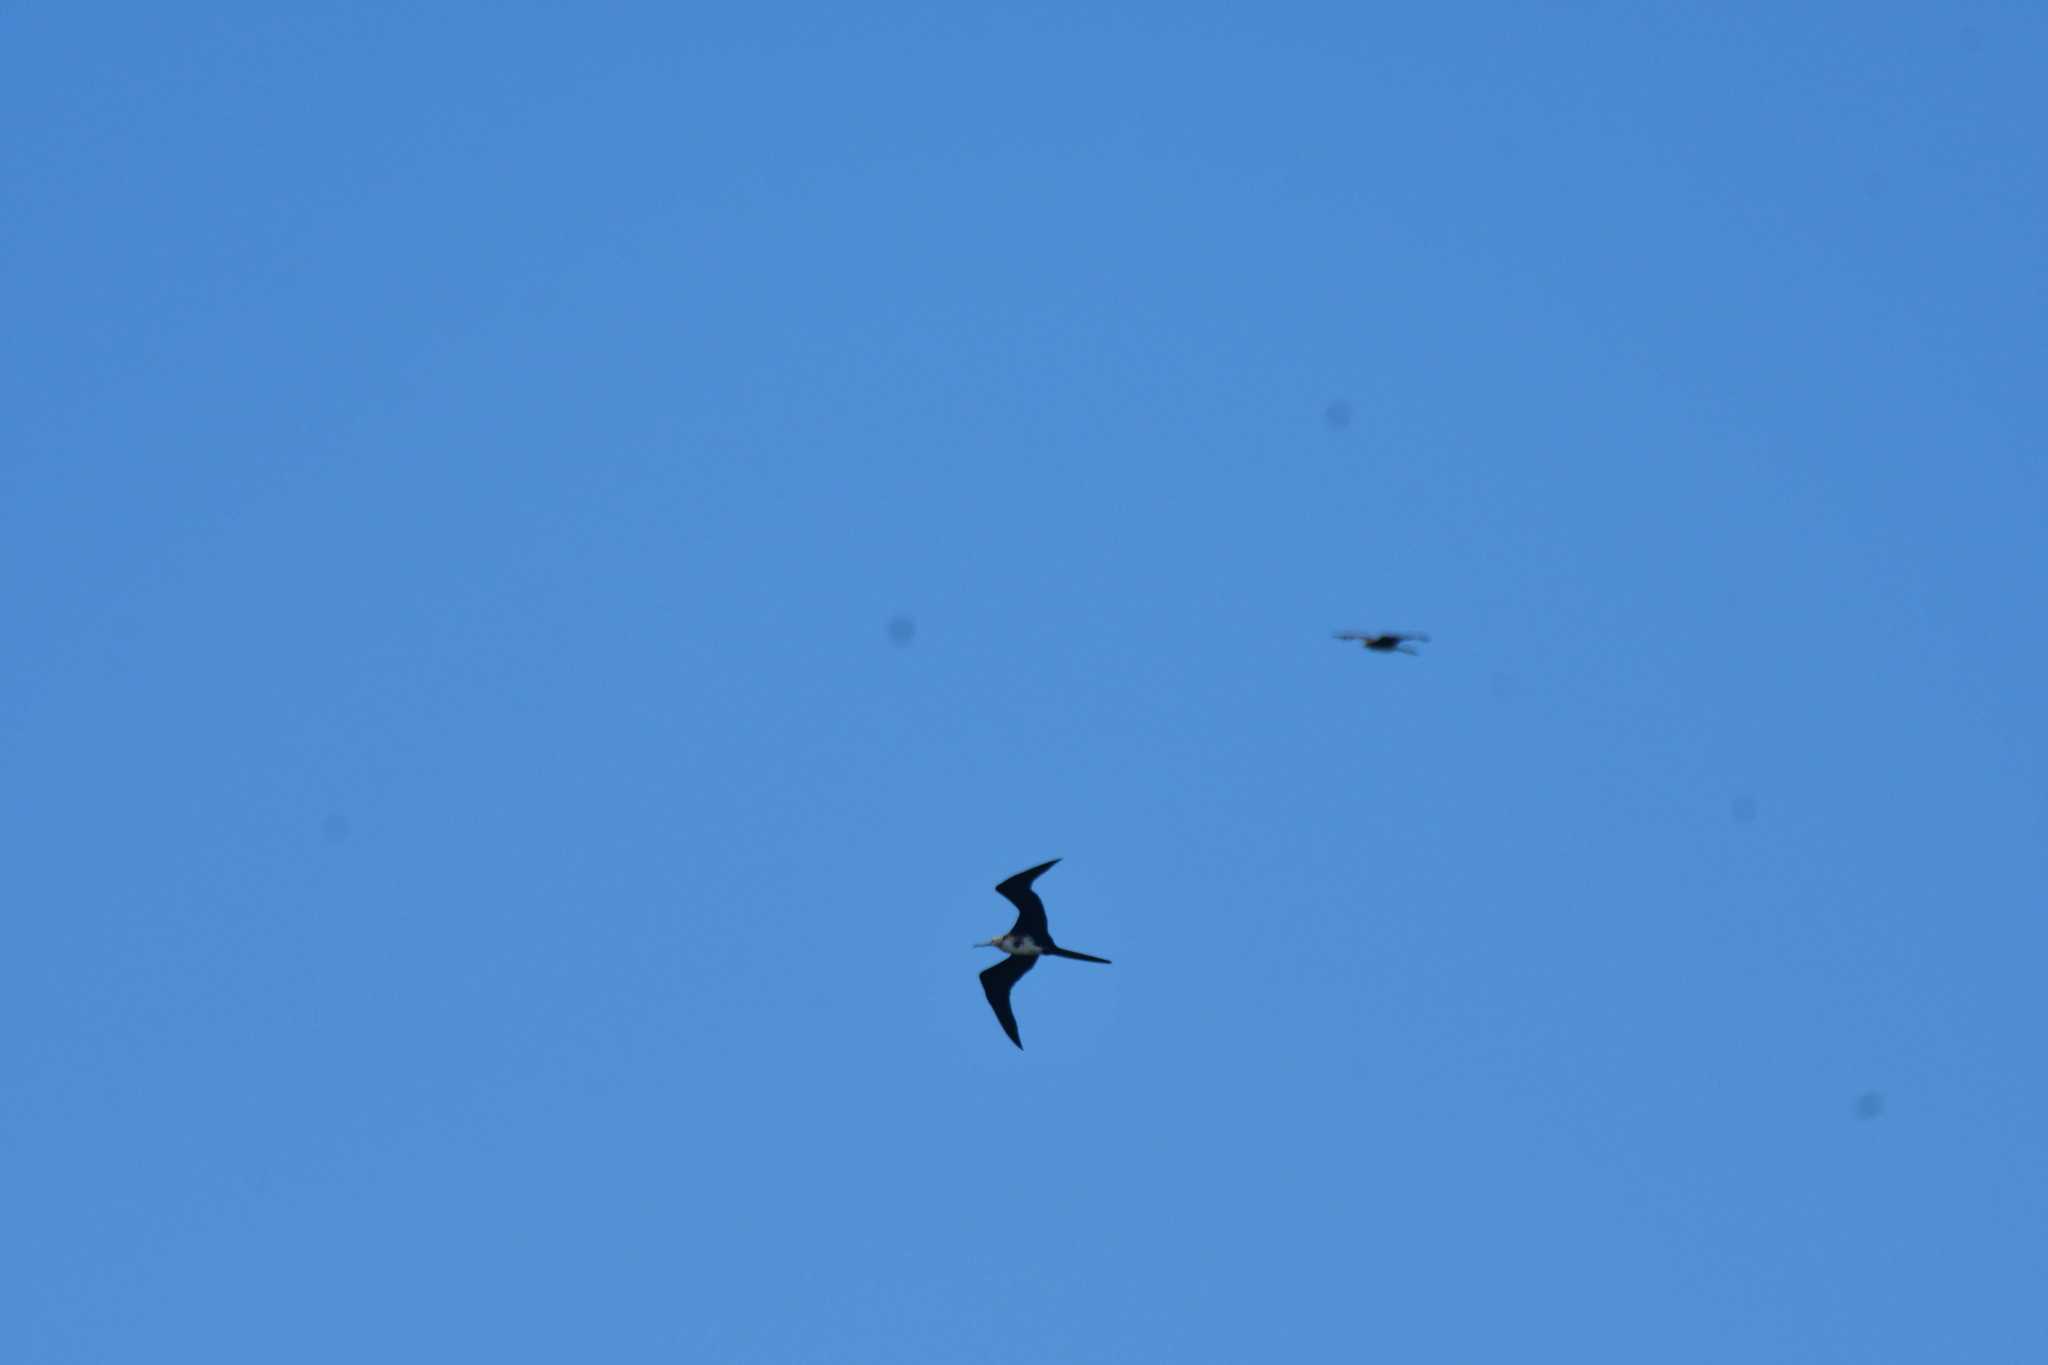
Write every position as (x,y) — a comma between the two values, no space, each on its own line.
(1027,941)
(1394,641)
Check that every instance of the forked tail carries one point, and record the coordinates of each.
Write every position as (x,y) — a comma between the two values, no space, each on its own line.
(1078,957)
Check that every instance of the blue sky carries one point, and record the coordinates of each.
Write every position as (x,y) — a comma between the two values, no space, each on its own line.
(483,882)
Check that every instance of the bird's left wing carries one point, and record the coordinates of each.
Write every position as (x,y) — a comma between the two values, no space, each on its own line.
(1030,909)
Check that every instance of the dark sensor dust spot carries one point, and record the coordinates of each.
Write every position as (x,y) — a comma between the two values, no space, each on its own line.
(902,630)
(1337,416)
(1870,1105)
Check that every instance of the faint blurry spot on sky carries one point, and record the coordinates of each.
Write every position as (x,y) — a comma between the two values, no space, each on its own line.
(1338,415)
(1743,808)
(902,630)
(335,828)
(1870,1105)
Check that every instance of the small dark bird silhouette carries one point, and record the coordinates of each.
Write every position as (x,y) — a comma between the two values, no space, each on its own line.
(1393,642)
(1027,941)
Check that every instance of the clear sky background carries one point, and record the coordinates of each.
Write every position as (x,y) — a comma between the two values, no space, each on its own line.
(482,881)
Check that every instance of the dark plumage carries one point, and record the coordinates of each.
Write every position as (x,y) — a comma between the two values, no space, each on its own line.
(996,983)
(1391,642)
(1027,941)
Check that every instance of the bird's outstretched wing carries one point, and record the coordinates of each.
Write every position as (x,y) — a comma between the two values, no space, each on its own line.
(1030,909)
(996,983)
(1349,635)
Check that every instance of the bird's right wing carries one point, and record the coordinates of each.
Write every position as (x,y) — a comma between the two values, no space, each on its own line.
(996,983)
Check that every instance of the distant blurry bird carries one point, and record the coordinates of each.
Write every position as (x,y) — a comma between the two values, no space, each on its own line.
(1393,642)
(1027,941)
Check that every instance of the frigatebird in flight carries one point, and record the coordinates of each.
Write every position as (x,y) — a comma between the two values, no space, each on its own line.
(1394,641)
(1027,941)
